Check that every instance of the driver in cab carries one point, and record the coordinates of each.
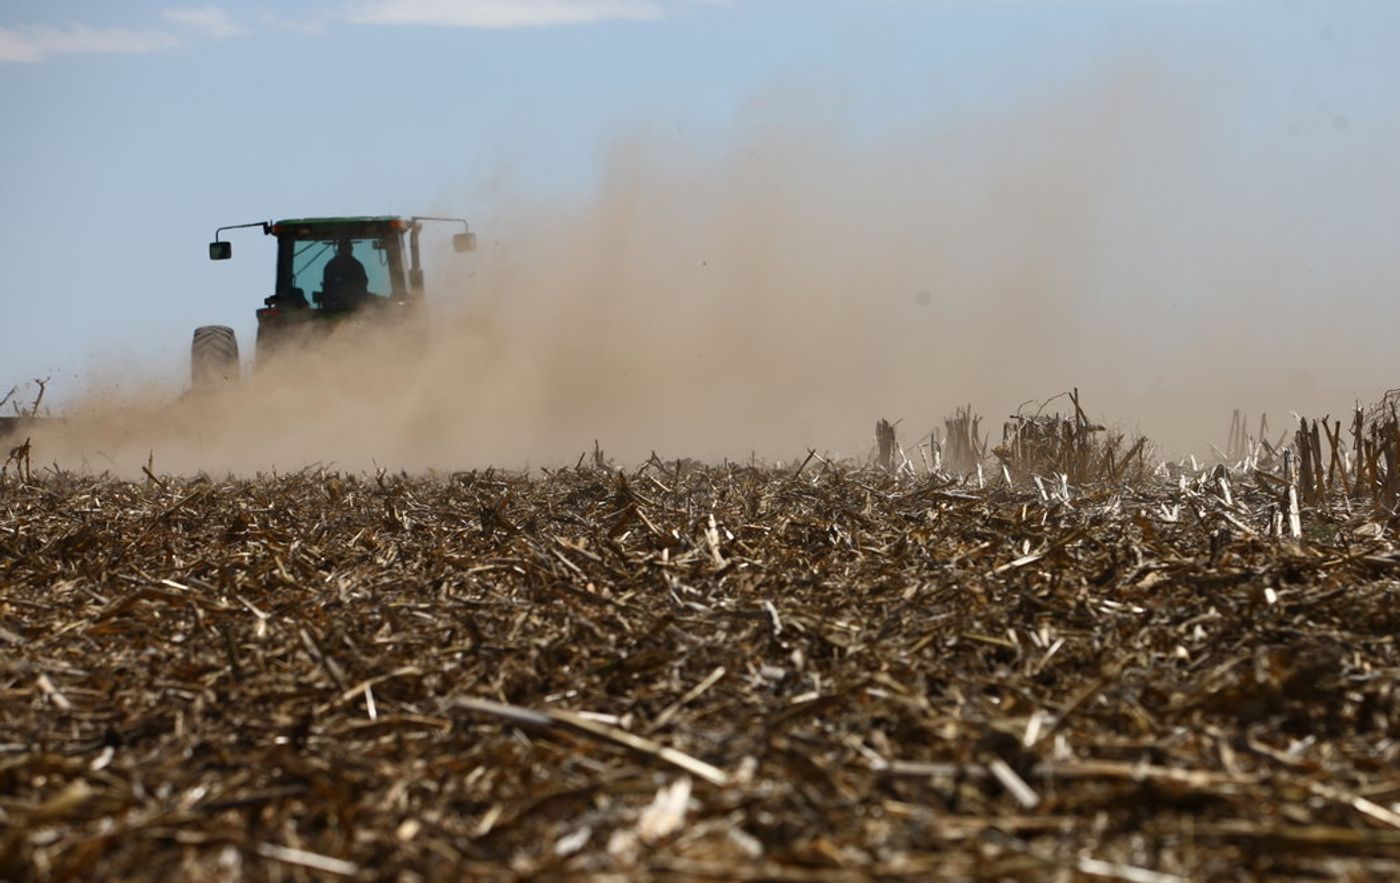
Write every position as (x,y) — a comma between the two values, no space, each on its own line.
(344,284)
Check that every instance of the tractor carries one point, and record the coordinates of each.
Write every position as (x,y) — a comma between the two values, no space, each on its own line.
(329,271)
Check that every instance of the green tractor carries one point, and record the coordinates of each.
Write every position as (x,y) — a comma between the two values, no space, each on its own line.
(329,270)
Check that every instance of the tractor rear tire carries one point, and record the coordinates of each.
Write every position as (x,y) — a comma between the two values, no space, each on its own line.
(213,358)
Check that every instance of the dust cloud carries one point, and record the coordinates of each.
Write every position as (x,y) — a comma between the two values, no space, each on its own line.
(788,287)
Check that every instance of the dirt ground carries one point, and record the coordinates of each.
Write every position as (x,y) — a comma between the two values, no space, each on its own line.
(692,672)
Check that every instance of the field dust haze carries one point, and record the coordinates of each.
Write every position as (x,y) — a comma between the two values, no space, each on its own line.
(786,289)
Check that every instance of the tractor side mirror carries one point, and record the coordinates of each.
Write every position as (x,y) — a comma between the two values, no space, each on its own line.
(464,242)
(220,251)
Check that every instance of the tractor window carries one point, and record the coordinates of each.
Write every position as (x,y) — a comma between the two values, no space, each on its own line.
(311,257)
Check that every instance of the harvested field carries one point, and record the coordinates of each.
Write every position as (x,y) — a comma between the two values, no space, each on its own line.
(686,672)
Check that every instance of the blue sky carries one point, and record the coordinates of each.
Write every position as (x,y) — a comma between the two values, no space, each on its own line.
(131,130)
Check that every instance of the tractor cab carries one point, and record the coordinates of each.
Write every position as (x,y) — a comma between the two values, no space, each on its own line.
(328,269)
(339,264)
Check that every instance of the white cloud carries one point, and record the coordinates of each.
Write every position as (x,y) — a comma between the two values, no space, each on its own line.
(498,13)
(210,20)
(34,43)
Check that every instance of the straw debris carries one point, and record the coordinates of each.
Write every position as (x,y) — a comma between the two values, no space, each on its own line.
(819,672)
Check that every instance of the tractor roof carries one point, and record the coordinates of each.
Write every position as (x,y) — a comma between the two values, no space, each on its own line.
(340,222)
(330,228)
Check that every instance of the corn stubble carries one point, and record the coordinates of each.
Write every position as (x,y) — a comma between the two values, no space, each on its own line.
(812,672)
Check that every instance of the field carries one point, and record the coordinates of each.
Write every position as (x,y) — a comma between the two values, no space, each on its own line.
(813,672)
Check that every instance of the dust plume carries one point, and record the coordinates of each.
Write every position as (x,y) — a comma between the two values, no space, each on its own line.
(787,287)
